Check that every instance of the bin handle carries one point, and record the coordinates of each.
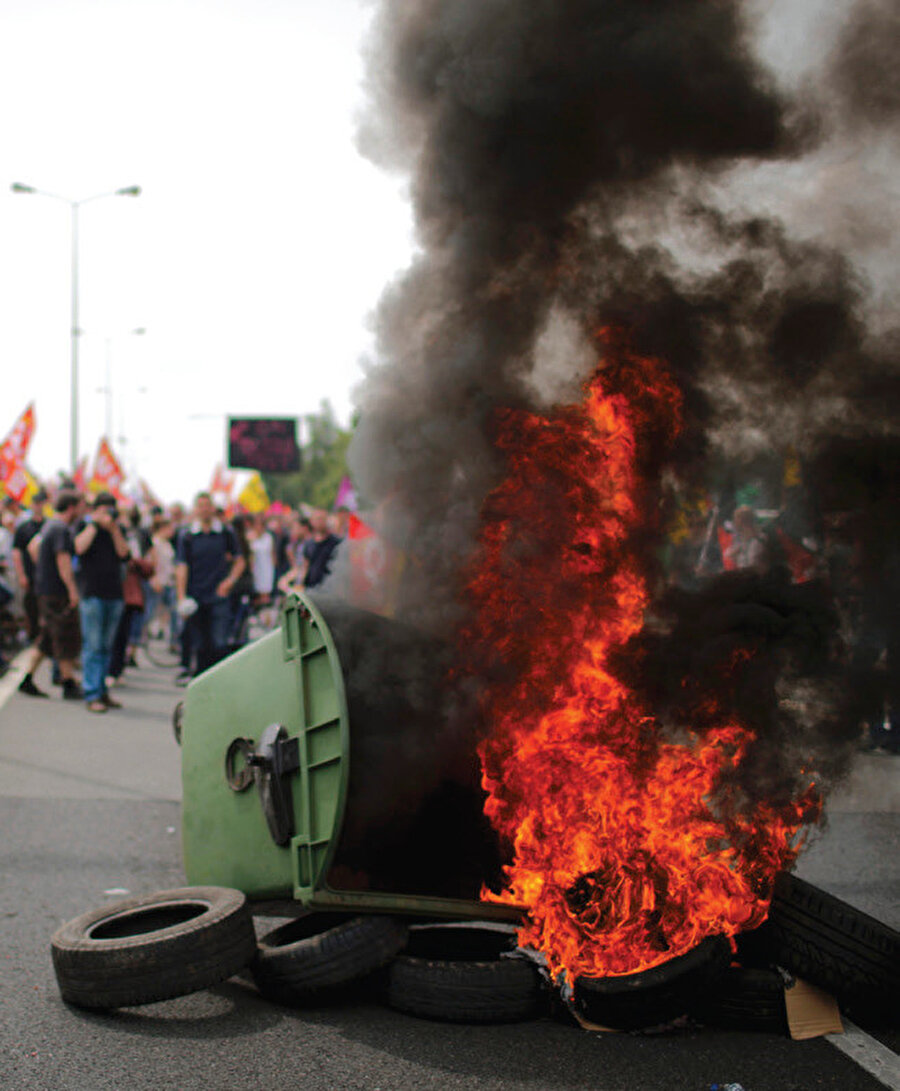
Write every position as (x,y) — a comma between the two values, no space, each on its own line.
(239,780)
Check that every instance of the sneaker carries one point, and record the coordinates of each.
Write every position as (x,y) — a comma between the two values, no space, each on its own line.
(28,687)
(72,691)
(110,702)
(96,706)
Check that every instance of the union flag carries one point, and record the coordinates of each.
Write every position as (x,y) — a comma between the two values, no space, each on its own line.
(18,440)
(14,478)
(80,475)
(108,474)
(221,485)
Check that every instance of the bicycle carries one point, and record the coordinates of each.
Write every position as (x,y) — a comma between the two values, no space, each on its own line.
(254,621)
(158,642)
(160,649)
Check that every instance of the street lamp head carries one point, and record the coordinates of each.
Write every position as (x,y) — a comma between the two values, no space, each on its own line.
(129,191)
(18,187)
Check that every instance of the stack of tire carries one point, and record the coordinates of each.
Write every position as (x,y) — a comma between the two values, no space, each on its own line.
(813,935)
(146,949)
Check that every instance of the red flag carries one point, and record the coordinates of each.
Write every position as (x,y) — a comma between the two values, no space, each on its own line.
(357,529)
(725,540)
(221,485)
(80,475)
(108,473)
(8,465)
(15,481)
(803,563)
(217,484)
(13,476)
(16,444)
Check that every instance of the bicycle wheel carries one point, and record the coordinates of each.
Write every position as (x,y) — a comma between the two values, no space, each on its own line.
(160,650)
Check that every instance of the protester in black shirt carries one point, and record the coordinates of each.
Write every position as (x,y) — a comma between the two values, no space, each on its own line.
(241,598)
(208,566)
(318,550)
(101,548)
(58,598)
(24,565)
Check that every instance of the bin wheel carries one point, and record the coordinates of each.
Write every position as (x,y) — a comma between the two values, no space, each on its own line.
(319,953)
(655,996)
(178,721)
(745,999)
(457,973)
(830,943)
(154,947)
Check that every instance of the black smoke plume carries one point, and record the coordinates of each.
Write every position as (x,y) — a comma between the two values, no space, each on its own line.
(582,163)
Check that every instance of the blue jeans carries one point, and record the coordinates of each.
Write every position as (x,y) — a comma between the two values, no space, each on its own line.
(99,620)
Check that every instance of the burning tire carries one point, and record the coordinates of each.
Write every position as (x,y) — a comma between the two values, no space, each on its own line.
(653,996)
(828,942)
(155,947)
(461,973)
(320,953)
(745,999)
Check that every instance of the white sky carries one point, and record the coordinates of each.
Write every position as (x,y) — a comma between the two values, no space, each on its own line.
(258,247)
(262,240)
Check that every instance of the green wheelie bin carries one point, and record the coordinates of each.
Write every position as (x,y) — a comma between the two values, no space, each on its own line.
(322,766)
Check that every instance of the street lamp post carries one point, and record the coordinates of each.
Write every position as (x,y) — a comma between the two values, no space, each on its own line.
(74,206)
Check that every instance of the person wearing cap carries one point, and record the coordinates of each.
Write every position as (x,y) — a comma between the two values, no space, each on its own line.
(101,548)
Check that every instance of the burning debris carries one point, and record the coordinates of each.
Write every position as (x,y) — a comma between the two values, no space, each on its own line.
(632,839)
(594,320)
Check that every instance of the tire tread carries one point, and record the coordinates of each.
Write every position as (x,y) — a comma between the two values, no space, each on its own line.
(830,943)
(156,965)
(332,959)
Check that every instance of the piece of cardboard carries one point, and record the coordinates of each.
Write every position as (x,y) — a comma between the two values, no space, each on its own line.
(810,1011)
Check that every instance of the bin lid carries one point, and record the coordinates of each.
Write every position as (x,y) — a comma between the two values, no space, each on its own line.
(290,678)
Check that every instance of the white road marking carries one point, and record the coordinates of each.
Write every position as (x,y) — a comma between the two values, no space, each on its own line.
(870,1054)
(9,683)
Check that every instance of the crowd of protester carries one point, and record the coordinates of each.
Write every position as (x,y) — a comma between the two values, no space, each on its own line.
(88,584)
(85,580)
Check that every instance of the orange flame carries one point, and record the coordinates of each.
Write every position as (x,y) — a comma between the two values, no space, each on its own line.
(629,846)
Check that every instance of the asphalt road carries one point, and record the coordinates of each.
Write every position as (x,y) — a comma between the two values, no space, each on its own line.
(89,809)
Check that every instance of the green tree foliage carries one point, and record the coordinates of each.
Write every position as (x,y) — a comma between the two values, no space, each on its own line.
(323,454)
